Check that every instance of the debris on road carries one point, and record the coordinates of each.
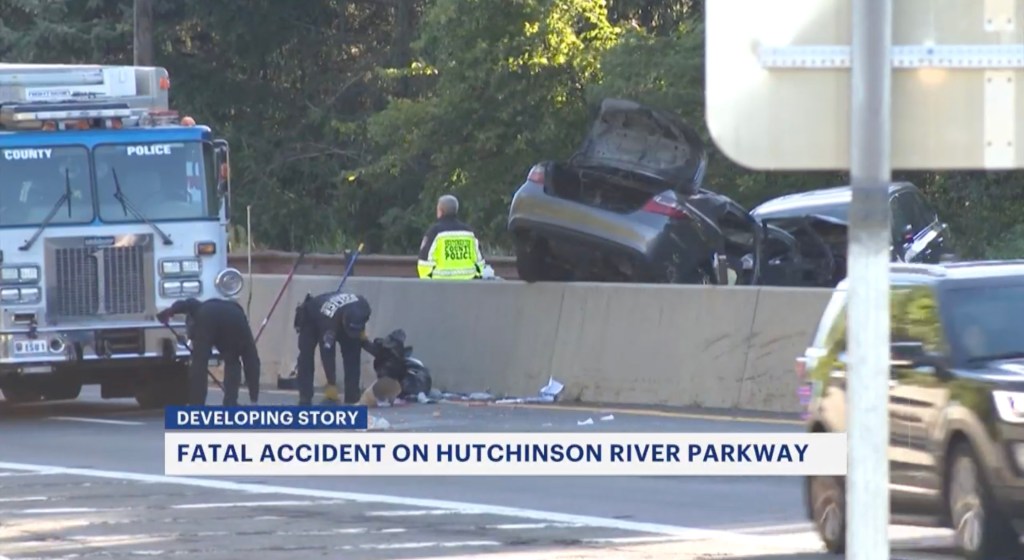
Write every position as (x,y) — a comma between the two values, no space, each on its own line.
(547,394)
(384,390)
(378,423)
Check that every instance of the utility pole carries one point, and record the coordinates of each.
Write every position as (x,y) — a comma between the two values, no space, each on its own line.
(143,44)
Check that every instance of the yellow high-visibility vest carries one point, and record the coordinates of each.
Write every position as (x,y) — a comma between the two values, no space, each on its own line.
(454,255)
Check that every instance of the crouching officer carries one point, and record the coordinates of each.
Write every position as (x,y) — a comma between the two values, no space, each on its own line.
(325,320)
(220,324)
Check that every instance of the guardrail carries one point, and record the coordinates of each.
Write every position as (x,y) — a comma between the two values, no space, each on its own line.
(323,264)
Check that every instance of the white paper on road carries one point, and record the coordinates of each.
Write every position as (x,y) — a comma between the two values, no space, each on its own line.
(308,453)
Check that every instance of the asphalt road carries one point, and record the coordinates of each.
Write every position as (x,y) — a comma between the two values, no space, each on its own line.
(83,479)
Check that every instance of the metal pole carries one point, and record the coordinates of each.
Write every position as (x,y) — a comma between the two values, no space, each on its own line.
(869,254)
(248,244)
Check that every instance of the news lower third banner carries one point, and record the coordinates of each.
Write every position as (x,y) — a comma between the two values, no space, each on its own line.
(335,441)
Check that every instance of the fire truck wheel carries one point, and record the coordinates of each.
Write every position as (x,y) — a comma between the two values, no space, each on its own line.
(16,392)
(62,390)
(166,386)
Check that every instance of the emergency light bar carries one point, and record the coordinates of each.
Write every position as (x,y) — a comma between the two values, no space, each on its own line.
(35,95)
(16,114)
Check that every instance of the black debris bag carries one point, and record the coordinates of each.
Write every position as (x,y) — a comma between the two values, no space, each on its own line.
(393,359)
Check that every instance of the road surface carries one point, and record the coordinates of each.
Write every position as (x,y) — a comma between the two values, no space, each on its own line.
(84,480)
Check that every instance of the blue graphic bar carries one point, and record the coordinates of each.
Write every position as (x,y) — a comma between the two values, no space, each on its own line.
(253,418)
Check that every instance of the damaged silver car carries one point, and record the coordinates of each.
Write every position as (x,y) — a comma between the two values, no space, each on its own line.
(629,206)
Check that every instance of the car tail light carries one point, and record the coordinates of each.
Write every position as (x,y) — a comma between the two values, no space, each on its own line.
(536,174)
(666,207)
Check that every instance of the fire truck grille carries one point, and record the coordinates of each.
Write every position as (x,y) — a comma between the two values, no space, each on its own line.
(83,275)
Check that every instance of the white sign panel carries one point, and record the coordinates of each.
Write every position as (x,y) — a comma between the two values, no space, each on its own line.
(778,83)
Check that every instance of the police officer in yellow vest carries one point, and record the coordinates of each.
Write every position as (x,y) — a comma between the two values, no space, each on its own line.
(450,249)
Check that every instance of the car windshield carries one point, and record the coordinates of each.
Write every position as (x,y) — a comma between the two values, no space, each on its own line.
(987,322)
(32,181)
(163,181)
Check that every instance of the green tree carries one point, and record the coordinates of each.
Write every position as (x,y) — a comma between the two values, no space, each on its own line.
(508,90)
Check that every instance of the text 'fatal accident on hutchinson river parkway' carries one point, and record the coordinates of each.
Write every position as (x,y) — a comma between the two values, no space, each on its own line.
(361,453)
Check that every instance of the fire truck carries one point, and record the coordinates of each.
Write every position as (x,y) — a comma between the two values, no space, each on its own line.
(111,207)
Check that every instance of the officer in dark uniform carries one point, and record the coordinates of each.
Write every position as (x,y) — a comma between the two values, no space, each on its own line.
(220,324)
(325,320)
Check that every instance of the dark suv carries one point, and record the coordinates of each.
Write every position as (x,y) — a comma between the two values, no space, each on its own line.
(819,221)
(956,404)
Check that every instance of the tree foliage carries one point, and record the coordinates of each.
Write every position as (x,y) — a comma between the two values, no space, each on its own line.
(347,118)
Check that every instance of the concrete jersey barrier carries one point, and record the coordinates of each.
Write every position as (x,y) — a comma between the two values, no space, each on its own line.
(714,347)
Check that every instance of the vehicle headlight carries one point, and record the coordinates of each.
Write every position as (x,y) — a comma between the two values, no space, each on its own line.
(191,287)
(13,274)
(1010,406)
(170,288)
(180,266)
(229,282)
(12,296)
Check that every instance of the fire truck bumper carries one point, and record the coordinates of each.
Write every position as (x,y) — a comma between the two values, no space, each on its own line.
(49,349)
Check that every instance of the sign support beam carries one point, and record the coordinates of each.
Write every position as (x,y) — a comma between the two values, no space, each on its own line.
(867,495)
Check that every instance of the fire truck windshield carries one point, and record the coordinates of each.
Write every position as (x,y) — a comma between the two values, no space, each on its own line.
(163,181)
(33,179)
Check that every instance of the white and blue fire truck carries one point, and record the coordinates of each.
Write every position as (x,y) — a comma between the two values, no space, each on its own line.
(111,207)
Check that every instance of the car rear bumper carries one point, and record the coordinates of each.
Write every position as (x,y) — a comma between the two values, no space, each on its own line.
(533,208)
(586,231)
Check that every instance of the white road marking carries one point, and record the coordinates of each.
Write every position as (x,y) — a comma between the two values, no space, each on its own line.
(418,512)
(258,504)
(632,540)
(469,508)
(778,529)
(400,546)
(26,499)
(77,543)
(60,510)
(521,526)
(97,420)
(12,529)
(350,531)
(35,473)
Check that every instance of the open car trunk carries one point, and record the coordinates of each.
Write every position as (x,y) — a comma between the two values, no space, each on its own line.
(642,140)
(610,189)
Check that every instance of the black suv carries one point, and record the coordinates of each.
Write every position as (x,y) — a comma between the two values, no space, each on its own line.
(956,404)
(819,221)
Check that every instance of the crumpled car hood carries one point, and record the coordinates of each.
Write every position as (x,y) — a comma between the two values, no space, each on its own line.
(828,205)
(633,137)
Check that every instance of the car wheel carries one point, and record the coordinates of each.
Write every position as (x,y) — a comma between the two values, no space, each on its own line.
(16,392)
(62,390)
(529,261)
(981,531)
(828,508)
